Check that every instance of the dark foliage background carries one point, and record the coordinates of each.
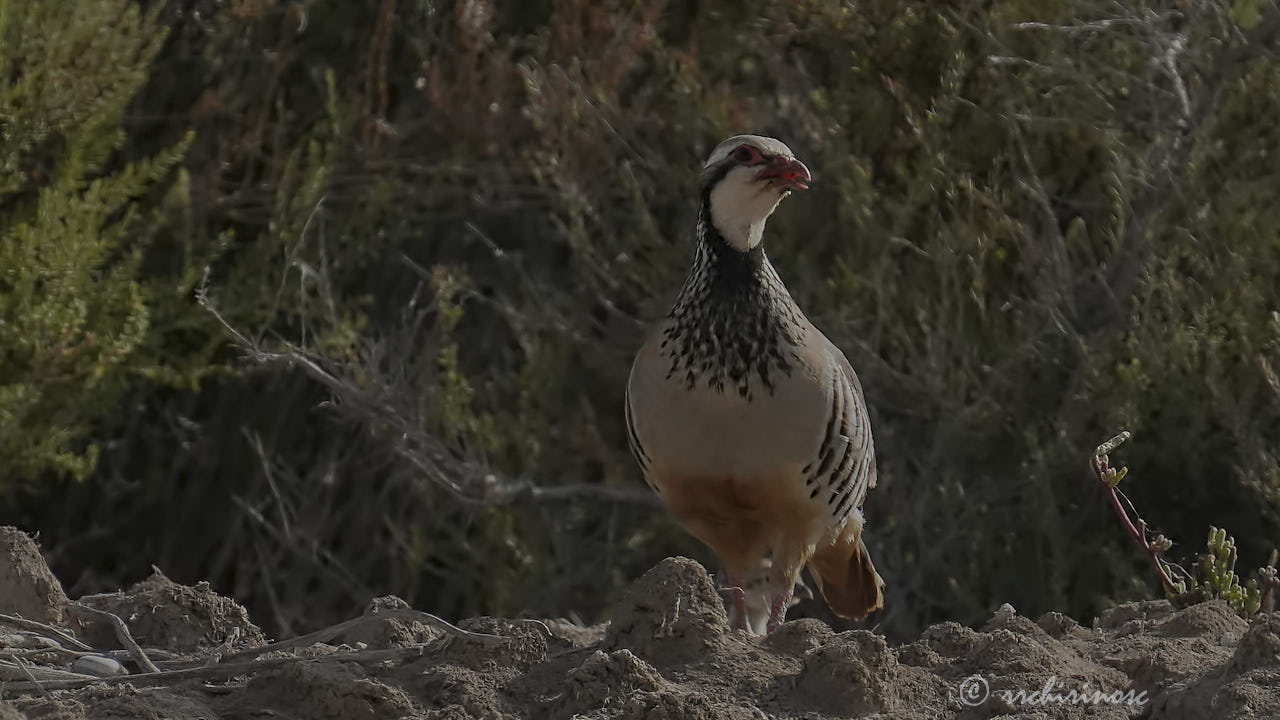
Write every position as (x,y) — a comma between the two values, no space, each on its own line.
(326,300)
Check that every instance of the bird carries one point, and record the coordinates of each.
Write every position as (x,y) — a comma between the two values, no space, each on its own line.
(746,421)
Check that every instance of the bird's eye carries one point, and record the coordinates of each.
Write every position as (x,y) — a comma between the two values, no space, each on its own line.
(746,154)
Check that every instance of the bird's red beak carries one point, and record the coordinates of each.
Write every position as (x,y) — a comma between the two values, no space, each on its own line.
(787,172)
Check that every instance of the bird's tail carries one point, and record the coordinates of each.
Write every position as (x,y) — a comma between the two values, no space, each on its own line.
(848,580)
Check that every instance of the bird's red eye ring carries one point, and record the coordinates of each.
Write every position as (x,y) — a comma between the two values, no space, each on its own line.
(746,154)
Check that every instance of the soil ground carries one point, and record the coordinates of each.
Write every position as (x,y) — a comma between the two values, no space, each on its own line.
(668,654)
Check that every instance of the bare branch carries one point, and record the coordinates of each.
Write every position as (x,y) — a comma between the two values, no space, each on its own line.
(380,407)
(53,633)
(123,635)
(36,674)
(213,672)
(341,628)
(1168,157)
(1095,25)
(215,666)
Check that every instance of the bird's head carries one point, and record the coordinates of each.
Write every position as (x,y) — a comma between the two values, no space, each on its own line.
(743,180)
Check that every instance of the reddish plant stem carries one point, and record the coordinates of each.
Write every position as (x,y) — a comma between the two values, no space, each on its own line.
(1100,466)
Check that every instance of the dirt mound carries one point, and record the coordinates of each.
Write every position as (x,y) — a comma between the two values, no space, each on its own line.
(164,614)
(672,615)
(27,588)
(668,654)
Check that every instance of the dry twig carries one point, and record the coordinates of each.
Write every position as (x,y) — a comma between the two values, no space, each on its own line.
(213,672)
(465,479)
(245,661)
(333,631)
(36,674)
(123,635)
(49,631)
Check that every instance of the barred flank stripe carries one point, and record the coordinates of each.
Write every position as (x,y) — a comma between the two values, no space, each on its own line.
(828,454)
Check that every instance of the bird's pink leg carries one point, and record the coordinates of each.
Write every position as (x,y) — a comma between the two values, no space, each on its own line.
(778,610)
(739,615)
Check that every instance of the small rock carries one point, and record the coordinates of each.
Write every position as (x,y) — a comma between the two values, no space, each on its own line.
(98,666)
(1003,613)
(605,678)
(388,632)
(1133,627)
(384,603)
(919,654)
(1057,624)
(949,639)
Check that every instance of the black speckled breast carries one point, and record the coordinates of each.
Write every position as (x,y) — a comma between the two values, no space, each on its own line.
(734,326)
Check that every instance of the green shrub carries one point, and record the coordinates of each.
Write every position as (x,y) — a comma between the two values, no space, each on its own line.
(74,222)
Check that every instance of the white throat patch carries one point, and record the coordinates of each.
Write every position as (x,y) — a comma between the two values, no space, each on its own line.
(740,206)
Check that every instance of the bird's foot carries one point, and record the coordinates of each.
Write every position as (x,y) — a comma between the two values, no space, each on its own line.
(738,618)
(778,611)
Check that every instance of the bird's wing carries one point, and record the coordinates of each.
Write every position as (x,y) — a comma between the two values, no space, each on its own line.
(633,437)
(846,466)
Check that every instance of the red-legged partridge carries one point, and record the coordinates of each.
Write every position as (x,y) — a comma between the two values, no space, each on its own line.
(745,419)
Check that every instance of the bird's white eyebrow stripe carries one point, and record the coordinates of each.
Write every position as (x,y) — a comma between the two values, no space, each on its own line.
(765,145)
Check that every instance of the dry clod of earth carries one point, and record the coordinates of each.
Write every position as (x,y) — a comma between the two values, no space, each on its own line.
(27,588)
(669,654)
(161,613)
